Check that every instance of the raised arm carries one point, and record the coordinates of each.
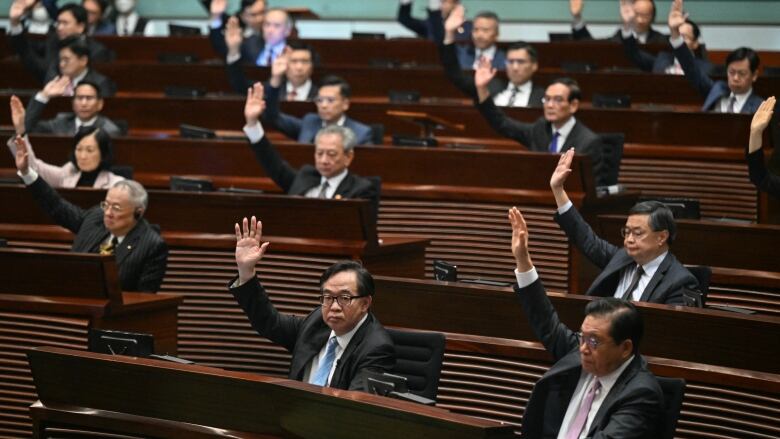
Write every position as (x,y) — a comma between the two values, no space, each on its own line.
(759,175)
(249,248)
(693,73)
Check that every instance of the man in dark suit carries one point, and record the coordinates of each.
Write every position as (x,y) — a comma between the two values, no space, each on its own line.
(97,24)
(644,268)
(734,96)
(665,62)
(432,28)
(637,17)
(71,22)
(484,35)
(599,386)
(759,174)
(75,64)
(334,345)
(115,227)
(332,104)
(333,153)
(87,105)
(251,14)
(557,131)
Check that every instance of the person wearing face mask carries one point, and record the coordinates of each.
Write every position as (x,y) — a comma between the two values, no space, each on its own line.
(39,20)
(127,21)
(89,164)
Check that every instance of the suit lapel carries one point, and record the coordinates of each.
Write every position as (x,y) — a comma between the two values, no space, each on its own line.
(93,235)
(657,277)
(612,396)
(124,249)
(306,353)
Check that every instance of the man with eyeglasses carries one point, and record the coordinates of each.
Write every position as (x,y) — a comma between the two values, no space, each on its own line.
(599,385)
(332,104)
(116,226)
(336,343)
(644,269)
(733,96)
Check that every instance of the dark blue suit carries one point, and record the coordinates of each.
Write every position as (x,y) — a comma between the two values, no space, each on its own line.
(433,27)
(466,56)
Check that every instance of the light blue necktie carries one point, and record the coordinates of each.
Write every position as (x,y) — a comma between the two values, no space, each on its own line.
(554,143)
(321,377)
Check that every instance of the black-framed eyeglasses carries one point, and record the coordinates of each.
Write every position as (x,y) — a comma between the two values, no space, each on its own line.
(343,300)
(590,340)
(627,231)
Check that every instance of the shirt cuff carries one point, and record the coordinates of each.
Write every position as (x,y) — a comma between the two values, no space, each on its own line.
(578,24)
(40,97)
(526,278)
(30,177)
(16,30)
(565,208)
(254,132)
(626,33)
(676,42)
(230,59)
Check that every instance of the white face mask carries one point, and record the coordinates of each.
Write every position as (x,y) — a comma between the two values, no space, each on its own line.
(124,6)
(39,14)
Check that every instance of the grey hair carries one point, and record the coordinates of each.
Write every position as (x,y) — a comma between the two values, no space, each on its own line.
(289,23)
(138,195)
(348,137)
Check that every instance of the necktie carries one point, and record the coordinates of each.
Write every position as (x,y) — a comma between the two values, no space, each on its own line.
(321,377)
(291,95)
(554,142)
(732,103)
(511,101)
(108,248)
(634,283)
(575,428)
(323,190)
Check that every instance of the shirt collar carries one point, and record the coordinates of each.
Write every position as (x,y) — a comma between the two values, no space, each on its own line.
(335,181)
(524,88)
(86,123)
(344,339)
(75,81)
(566,128)
(302,90)
(741,98)
(339,122)
(490,52)
(609,380)
(653,265)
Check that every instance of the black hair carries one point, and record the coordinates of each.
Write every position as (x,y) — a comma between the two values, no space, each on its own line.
(302,45)
(661,217)
(104,144)
(522,45)
(102,3)
(744,53)
(696,30)
(344,88)
(77,44)
(98,93)
(574,87)
(365,282)
(625,320)
(78,11)
(487,14)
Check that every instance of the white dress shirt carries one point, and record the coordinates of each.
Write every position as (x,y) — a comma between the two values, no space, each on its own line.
(627,275)
(333,183)
(564,131)
(521,97)
(343,342)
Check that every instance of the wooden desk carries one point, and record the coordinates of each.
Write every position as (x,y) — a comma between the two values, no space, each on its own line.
(75,294)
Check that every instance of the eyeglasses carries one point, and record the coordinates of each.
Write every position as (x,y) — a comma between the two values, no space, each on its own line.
(592,342)
(555,100)
(637,233)
(344,300)
(116,208)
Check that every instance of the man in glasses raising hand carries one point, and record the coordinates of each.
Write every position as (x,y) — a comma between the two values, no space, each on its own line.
(333,345)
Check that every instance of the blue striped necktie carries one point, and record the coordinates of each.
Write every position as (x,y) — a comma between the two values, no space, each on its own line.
(321,377)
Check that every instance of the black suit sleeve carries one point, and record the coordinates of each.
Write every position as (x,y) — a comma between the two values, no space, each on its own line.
(597,250)
(411,23)
(153,269)
(237,78)
(507,127)
(274,165)
(36,64)
(289,125)
(639,57)
(760,176)
(380,359)
(581,34)
(556,337)
(60,210)
(693,73)
(217,38)
(449,61)
(32,122)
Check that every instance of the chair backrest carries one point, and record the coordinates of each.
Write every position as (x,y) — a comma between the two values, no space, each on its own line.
(703,274)
(377,133)
(419,356)
(674,391)
(611,156)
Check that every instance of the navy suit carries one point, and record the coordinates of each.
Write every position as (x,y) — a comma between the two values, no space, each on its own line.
(466,56)
(370,350)
(633,407)
(666,285)
(712,91)
(760,176)
(433,27)
(141,257)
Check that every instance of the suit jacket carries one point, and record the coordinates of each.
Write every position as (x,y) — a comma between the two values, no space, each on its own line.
(653,36)
(712,91)
(538,135)
(370,349)
(63,123)
(633,407)
(105,84)
(433,27)
(465,83)
(141,257)
(466,56)
(239,82)
(666,285)
(760,176)
(251,47)
(304,130)
(660,62)
(39,63)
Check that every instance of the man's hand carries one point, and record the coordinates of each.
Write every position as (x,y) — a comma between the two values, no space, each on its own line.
(17,115)
(279,67)
(233,36)
(249,249)
(520,240)
(453,22)
(217,8)
(760,121)
(559,175)
(255,105)
(627,14)
(575,7)
(22,156)
(56,87)
(18,8)
(482,76)
(676,18)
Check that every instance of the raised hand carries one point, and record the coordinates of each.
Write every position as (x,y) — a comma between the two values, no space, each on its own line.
(520,240)
(484,72)
(562,170)
(56,87)
(279,66)
(676,18)
(18,8)
(17,115)
(22,156)
(456,19)
(233,36)
(575,7)
(761,120)
(255,105)
(217,8)
(627,14)
(249,248)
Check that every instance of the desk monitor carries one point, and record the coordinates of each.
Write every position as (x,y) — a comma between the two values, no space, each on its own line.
(392,386)
(445,271)
(120,343)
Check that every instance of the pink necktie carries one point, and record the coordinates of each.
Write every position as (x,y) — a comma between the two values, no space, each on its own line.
(582,415)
